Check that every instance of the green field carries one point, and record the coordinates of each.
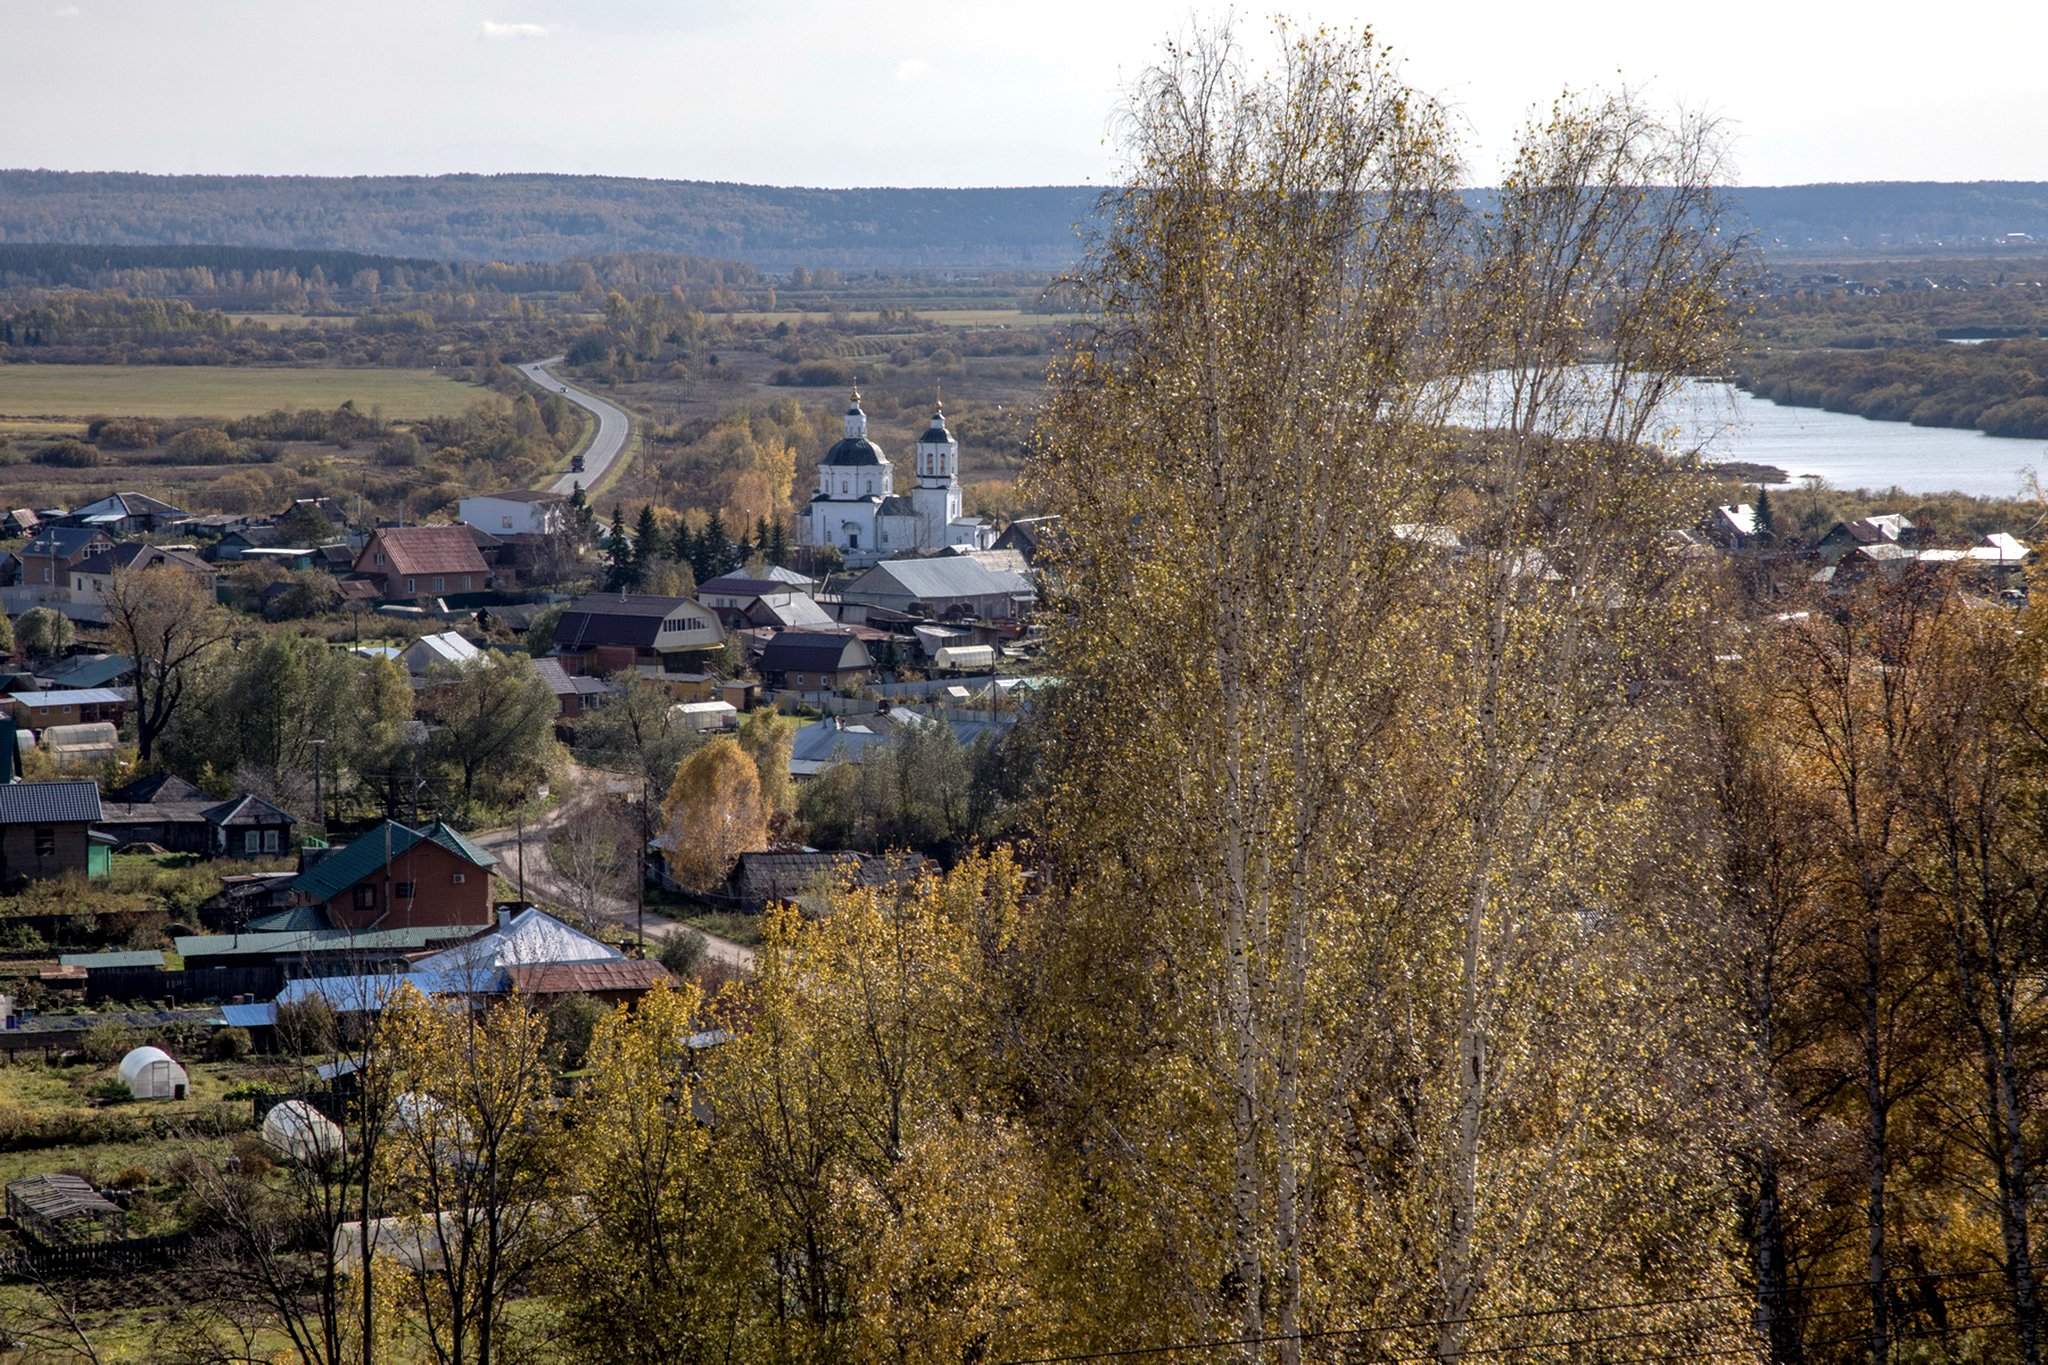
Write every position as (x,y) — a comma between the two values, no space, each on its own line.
(48,391)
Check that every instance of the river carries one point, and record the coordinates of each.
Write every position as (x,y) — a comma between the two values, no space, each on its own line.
(1847,451)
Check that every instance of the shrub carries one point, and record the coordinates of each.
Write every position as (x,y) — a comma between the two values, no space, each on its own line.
(124,433)
(251,1155)
(130,1178)
(571,1023)
(682,951)
(305,1026)
(204,445)
(69,454)
(106,1042)
(229,1045)
(111,1089)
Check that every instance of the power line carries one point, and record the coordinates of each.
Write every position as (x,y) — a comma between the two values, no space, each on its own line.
(1518,1315)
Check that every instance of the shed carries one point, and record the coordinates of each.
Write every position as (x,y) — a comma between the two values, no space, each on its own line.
(150,1073)
(705,715)
(299,1133)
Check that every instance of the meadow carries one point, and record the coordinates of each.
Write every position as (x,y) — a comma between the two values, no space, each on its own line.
(58,391)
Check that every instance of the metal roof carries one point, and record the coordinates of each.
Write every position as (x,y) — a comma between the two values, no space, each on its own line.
(369,852)
(248,1016)
(74,696)
(813,652)
(137,958)
(49,803)
(565,978)
(368,994)
(291,942)
(940,577)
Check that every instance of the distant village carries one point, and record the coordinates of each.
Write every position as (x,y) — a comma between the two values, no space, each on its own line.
(889,614)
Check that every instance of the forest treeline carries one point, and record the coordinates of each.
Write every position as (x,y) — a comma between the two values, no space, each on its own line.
(1999,387)
(545,217)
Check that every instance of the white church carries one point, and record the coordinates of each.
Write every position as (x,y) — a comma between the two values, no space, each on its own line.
(858,511)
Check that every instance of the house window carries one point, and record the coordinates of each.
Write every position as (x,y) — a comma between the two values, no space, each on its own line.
(366,896)
(459,878)
(46,842)
(252,842)
(412,585)
(404,891)
(270,841)
(440,584)
(506,522)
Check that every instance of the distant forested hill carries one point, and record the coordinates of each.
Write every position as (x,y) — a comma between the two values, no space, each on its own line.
(551,217)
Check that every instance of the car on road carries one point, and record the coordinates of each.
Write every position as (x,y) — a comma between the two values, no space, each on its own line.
(576,465)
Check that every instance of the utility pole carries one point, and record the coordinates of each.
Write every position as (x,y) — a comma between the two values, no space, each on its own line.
(522,855)
(319,763)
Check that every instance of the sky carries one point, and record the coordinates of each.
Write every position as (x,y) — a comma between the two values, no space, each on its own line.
(956,92)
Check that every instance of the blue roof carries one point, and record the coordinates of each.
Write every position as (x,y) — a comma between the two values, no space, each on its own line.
(360,994)
(248,1016)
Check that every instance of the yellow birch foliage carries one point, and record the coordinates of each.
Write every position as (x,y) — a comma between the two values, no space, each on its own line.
(895,1203)
(713,813)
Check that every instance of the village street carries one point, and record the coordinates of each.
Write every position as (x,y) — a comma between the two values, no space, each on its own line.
(544,886)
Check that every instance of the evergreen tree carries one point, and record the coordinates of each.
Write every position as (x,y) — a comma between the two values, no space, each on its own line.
(647,545)
(761,535)
(777,548)
(715,546)
(1765,528)
(742,552)
(619,553)
(686,544)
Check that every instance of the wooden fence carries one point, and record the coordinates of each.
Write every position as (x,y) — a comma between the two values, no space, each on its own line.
(94,1258)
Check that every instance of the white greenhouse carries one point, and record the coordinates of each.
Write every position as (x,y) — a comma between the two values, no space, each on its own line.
(299,1133)
(150,1073)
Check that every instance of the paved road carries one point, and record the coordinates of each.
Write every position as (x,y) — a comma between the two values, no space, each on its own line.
(612,424)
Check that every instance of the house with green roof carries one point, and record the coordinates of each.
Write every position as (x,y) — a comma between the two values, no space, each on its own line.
(396,877)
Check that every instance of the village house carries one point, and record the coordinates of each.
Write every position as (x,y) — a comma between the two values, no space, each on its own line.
(1031,537)
(515,512)
(606,633)
(177,817)
(397,877)
(428,652)
(125,514)
(422,561)
(743,600)
(70,706)
(815,661)
(1733,528)
(50,555)
(91,578)
(46,831)
(574,693)
(20,521)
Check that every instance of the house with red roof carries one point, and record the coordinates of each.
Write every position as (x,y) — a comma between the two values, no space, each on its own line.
(423,561)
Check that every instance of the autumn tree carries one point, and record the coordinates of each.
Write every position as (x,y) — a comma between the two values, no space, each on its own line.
(44,632)
(471,1164)
(713,813)
(495,715)
(656,1272)
(1319,832)
(166,620)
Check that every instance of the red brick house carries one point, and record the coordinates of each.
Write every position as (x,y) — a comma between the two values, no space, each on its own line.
(423,561)
(397,877)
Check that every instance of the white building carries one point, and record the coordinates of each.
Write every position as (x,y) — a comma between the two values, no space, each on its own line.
(858,511)
(513,513)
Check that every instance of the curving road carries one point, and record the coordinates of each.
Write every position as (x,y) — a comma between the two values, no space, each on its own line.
(612,424)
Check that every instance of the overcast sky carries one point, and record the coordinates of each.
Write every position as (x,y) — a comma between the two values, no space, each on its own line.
(951,92)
